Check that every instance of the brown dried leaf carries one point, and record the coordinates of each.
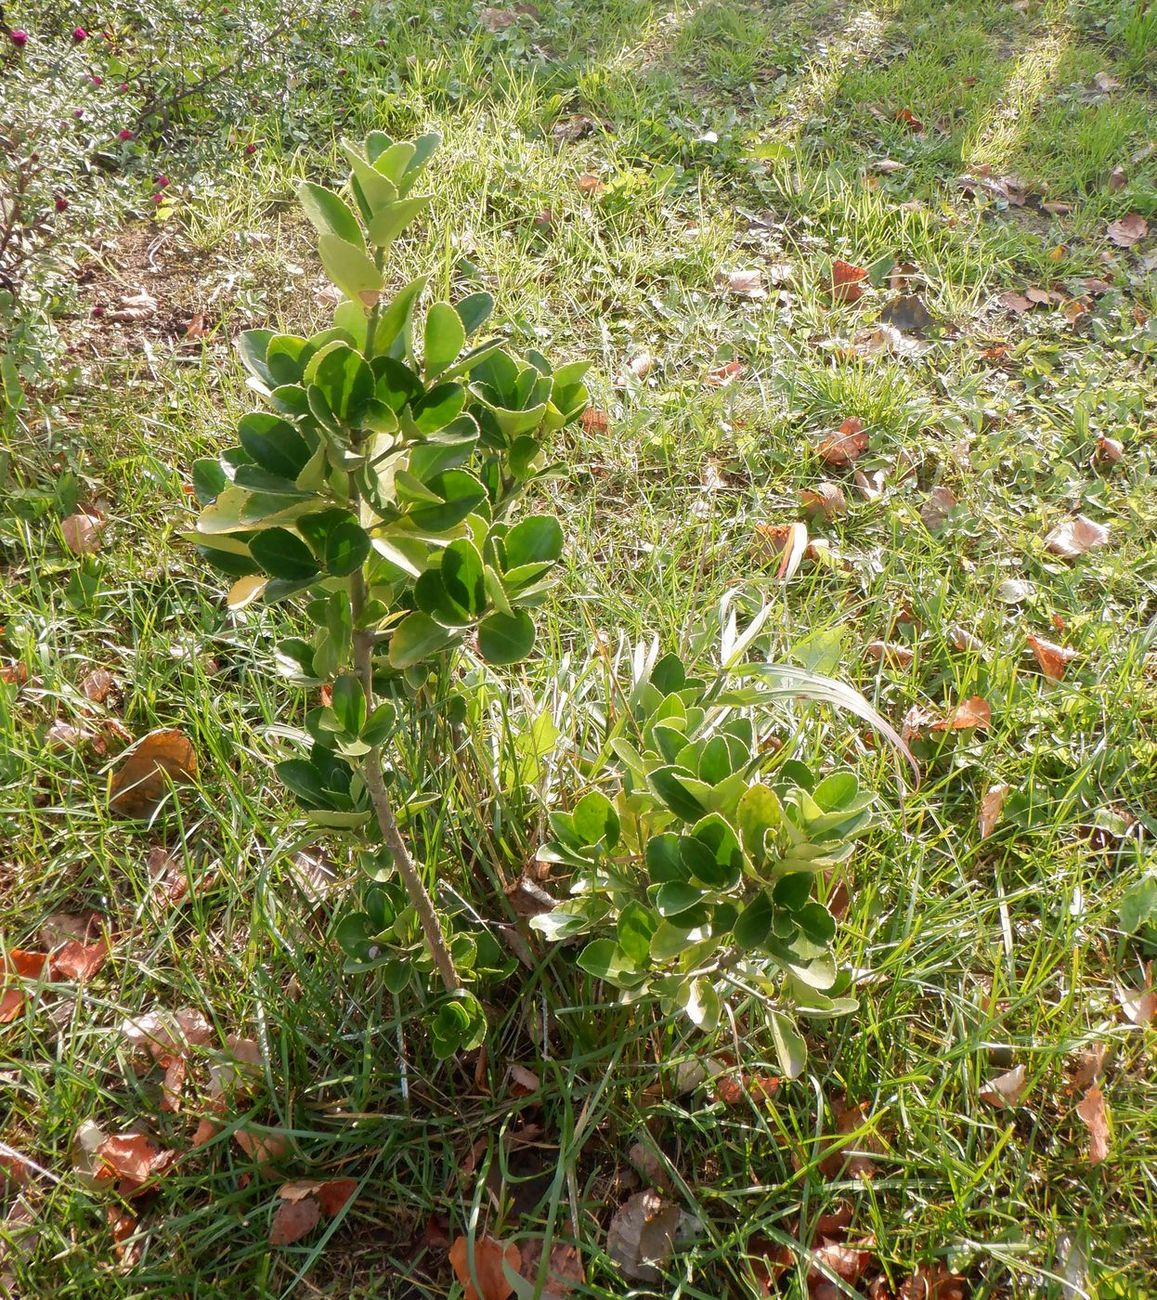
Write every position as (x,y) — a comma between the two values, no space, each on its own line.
(637,369)
(163,1034)
(641,1236)
(845,445)
(744,284)
(81,533)
(1118,179)
(837,1162)
(973,712)
(1090,1067)
(935,511)
(990,809)
(293,1220)
(588,183)
(846,1262)
(1006,1089)
(893,654)
(1016,302)
(1053,658)
(142,779)
(909,119)
(97,685)
(488,1274)
(785,542)
(1110,450)
(723,375)
(136,307)
(960,638)
(1128,230)
(825,499)
(1073,537)
(1094,1115)
(741,1089)
(564,1270)
(908,314)
(132,1157)
(263,1148)
(933,1283)
(595,421)
(1139,1005)
(74,960)
(869,485)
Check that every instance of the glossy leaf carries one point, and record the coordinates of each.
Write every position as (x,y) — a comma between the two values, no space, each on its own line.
(506,638)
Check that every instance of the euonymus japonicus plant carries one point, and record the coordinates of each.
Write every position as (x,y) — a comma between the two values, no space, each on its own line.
(374,486)
(696,885)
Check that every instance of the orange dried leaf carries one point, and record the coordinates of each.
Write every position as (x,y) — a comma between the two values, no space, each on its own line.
(595,421)
(785,543)
(846,277)
(487,1281)
(142,779)
(990,809)
(1053,658)
(292,1220)
(741,1089)
(825,499)
(1016,302)
(845,444)
(588,183)
(133,1158)
(262,1148)
(1128,230)
(334,1195)
(890,653)
(1094,1115)
(564,1269)
(77,961)
(974,712)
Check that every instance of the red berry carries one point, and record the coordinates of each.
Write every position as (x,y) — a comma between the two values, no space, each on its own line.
(126,134)
(61,203)
(123,86)
(250,148)
(19,38)
(161,181)
(78,35)
(97,81)
(98,310)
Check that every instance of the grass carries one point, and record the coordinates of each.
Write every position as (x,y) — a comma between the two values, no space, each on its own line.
(728,136)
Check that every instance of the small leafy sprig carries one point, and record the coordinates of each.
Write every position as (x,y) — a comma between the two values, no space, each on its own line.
(696,883)
(375,487)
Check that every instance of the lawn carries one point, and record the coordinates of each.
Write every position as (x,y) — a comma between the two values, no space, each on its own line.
(869,295)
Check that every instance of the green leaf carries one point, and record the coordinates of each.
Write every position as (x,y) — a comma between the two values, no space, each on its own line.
(372,190)
(816,922)
(758,812)
(669,941)
(561,924)
(672,787)
(837,791)
(668,674)
(793,890)
(605,960)
(351,270)
(283,554)
(461,494)
(474,310)
(720,865)
(595,820)
(208,480)
(304,781)
(664,859)
(635,929)
(506,638)
(1139,905)
(753,924)
(344,379)
(535,540)
(392,336)
(349,704)
(252,346)
(676,897)
(462,577)
(390,220)
(329,214)
(444,338)
(273,443)
(347,545)
(438,408)
(417,637)
(379,726)
(790,1048)
(702,1005)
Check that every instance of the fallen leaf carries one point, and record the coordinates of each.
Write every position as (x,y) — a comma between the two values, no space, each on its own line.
(13,674)
(163,1034)
(1096,287)
(525,1079)
(846,277)
(81,533)
(18,963)
(564,1269)
(637,369)
(892,654)
(933,1283)
(990,809)
(825,499)
(206,1131)
(1074,537)
(1110,450)
(744,284)
(496,20)
(1053,658)
(293,1220)
(63,735)
(722,375)
(974,712)
(74,960)
(263,1148)
(1014,301)
(886,166)
(1118,179)
(588,183)
(845,444)
(97,685)
(650,1165)
(960,638)
(846,1262)
(335,1194)
(122,1223)
(173,1084)
(1093,1114)
(768,1261)
(574,127)
(141,781)
(641,1236)
(1128,230)
(1006,1089)
(132,1157)
(785,543)
(1042,297)
(936,509)
(740,1088)
(1074,311)
(869,485)
(1105,82)
(851,1131)
(595,421)
(136,307)
(909,119)
(908,314)
(1139,1005)
(488,1274)
(1014,591)
(235,1070)
(1090,1068)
